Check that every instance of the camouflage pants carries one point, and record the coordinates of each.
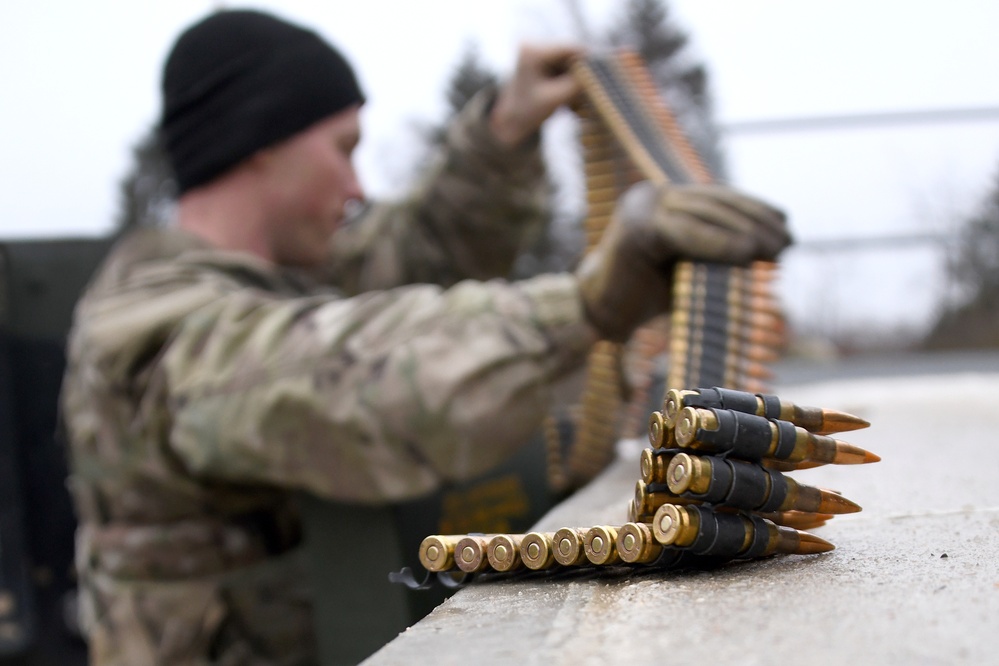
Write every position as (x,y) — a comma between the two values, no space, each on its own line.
(260,615)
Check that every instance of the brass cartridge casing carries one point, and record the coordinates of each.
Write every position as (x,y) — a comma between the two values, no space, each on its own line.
(730,534)
(647,503)
(653,465)
(687,473)
(689,421)
(470,553)
(694,475)
(537,550)
(600,545)
(680,526)
(672,405)
(437,552)
(568,546)
(635,517)
(673,525)
(660,435)
(817,420)
(636,544)
(805,445)
(503,552)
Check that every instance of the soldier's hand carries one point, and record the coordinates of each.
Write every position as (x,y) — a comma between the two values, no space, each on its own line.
(540,84)
(706,222)
(627,278)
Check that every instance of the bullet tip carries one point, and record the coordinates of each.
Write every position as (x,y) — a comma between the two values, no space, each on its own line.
(809,544)
(801,520)
(848,454)
(834,503)
(837,421)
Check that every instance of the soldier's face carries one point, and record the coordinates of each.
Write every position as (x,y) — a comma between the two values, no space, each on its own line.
(308,179)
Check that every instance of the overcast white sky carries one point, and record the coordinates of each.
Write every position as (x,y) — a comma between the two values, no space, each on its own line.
(79,78)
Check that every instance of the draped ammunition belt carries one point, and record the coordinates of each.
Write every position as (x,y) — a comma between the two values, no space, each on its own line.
(711,491)
(712,486)
(725,324)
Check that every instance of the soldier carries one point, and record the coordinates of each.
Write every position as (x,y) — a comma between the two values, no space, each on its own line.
(267,345)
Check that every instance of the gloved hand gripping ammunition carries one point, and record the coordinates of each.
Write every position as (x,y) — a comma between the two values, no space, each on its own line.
(628,277)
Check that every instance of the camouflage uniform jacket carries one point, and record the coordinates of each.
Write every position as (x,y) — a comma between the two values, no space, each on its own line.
(204,386)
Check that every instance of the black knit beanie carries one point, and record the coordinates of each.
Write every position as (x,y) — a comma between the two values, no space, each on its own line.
(239,81)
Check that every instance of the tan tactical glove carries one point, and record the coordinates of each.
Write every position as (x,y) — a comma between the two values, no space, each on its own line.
(627,278)
(541,82)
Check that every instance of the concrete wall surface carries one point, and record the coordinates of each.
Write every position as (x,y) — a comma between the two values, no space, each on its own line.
(914,578)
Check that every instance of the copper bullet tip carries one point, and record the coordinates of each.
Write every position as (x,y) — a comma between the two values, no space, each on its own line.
(836,421)
(848,454)
(800,520)
(809,544)
(833,503)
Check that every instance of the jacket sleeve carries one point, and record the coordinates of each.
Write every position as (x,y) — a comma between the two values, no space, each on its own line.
(373,398)
(479,204)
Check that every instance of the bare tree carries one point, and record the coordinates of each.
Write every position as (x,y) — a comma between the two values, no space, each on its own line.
(973,266)
(468,78)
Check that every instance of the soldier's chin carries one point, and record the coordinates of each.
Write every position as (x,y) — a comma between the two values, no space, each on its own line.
(311,256)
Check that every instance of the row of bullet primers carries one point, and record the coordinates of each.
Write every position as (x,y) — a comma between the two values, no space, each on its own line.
(687,508)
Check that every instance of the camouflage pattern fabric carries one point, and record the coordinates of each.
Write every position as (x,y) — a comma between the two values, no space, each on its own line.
(204,387)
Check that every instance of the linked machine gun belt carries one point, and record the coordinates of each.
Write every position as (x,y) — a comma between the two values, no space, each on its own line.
(714,484)
(725,325)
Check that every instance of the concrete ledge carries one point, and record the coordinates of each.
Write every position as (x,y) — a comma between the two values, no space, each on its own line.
(914,578)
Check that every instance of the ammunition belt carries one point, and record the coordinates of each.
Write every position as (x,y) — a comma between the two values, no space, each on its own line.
(713,486)
(691,508)
(725,324)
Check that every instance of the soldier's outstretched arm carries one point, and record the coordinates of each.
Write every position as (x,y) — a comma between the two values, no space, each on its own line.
(383,395)
(373,398)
